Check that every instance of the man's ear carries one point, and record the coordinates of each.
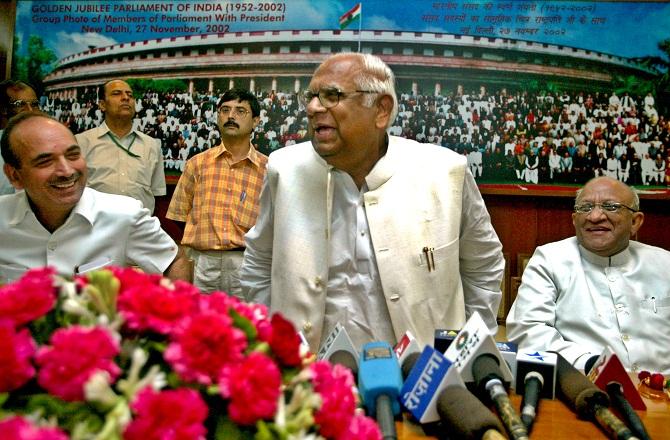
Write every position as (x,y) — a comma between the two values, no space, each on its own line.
(102,105)
(638,219)
(385,108)
(13,175)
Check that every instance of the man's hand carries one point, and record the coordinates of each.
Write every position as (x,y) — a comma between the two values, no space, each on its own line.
(181,267)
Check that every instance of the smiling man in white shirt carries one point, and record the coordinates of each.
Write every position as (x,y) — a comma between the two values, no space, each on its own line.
(599,288)
(58,221)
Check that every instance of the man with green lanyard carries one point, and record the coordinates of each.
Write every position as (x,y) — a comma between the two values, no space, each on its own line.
(122,160)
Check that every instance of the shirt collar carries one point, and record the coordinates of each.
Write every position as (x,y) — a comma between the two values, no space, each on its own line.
(385,166)
(22,208)
(616,260)
(85,207)
(103,129)
(252,155)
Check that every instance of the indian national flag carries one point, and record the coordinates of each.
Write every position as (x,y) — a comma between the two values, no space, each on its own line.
(350,16)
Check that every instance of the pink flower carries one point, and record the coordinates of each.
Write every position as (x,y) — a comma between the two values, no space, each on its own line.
(223,303)
(361,428)
(18,428)
(74,355)
(202,345)
(253,387)
(129,277)
(148,306)
(173,414)
(335,385)
(16,351)
(29,298)
(284,341)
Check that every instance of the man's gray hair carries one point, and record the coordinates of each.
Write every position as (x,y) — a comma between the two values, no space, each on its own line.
(633,193)
(376,76)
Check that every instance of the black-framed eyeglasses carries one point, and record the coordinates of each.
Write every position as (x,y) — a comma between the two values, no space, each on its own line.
(240,111)
(612,207)
(328,97)
(21,104)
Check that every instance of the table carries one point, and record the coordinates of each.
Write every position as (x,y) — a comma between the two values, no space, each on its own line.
(555,420)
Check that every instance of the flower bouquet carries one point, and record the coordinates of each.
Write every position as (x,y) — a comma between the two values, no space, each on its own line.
(119,354)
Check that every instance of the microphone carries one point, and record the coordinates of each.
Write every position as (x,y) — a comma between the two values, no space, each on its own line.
(508,351)
(608,373)
(535,378)
(590,362)
(615,391)
(427,374)
(608,368)
(533,383)
(408,364)
(472,341)
(346,359)
(466,416)
(379,383)
(587,400)
(443,339)
(406,346)
(459,410)
(338,344)
(488,380)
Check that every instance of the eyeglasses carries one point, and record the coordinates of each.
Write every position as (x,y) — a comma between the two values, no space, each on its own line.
(240,111)
(21,104)
(612,207)
(328,97)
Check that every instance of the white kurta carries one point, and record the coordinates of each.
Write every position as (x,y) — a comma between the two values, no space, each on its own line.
(418,196)
(575,302)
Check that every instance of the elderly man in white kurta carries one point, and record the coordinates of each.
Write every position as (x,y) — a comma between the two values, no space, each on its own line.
(598,289)
(378,233)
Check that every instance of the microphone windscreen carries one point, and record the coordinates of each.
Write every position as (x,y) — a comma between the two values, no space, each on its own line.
(589,364)
(485,367)
(464,414)
(579,392)
(409,363)
(346,359)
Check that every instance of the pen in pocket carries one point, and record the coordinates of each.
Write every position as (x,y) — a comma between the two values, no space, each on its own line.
(430,257)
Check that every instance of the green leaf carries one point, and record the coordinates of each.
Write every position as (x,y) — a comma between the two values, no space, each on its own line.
(245,325)
(226,429)
(69,414)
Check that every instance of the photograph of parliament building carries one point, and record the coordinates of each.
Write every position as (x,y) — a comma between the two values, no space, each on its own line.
(284,60)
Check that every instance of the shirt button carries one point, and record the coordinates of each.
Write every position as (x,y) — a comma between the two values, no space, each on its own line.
(51,246)
(635,367)
(307,327)
(394,298)
(625,337)
(318,282)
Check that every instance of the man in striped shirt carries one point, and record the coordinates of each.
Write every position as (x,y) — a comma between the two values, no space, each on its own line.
(217,198)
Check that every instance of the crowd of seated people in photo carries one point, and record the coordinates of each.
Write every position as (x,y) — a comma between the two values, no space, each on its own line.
(507,136)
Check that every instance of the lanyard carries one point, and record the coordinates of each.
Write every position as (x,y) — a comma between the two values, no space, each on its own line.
(118,144)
